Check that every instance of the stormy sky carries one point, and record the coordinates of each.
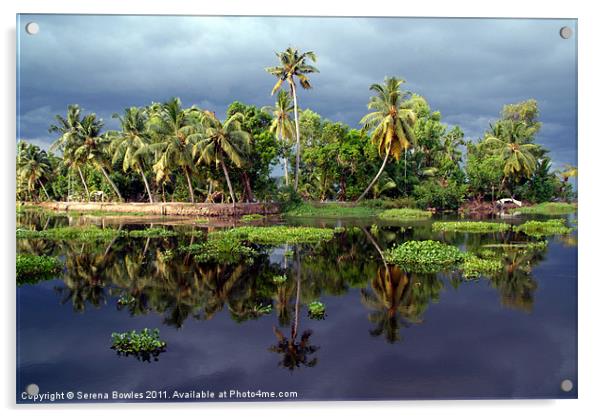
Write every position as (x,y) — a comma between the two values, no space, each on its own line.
(466,68)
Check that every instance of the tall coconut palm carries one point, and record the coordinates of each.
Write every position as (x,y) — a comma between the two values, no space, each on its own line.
(94,147)
(282,125)
(131,143)
(293,65)
(220,141)
(390,122)
(33,166)
(69,140)
(173,129)
(509,139)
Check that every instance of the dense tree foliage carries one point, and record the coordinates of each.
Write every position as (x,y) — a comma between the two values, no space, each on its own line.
(403,151)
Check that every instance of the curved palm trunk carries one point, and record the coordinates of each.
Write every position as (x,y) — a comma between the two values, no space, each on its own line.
(190,190)
(148,190)
(298,151)
(104,172)
(228,181)
(405,171)
(81,176)
(382,167)
(247,184)
(44,188)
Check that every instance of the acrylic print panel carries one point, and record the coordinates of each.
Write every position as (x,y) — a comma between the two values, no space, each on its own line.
(295,208)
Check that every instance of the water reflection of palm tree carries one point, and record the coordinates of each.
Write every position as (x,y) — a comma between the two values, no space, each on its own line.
(295,353)
(393,302)
(515,282)
(86,277)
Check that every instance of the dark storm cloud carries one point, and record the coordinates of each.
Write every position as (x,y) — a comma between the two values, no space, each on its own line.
(467,69)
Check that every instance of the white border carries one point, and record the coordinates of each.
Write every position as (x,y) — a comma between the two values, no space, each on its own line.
(590,153)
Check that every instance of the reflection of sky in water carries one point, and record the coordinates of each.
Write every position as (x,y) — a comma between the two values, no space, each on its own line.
(467,345)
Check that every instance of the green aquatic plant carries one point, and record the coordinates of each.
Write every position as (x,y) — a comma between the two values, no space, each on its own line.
(424,256)
(71,233)
(224,249)
(152,233)
(126,300)
(548,208)
(142,345)
(316,310)
(261,309)
(528,245)
(542,228)
(280,279)
(477,227)
(274,235)
(251,217)
(404,214)
(331,210)
(33,268)
(473,266)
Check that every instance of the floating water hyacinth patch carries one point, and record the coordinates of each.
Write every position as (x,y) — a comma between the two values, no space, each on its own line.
(143,345)
(316,310)
(404,214)
(542,228)
(424,256)
(34,268)
(476,227)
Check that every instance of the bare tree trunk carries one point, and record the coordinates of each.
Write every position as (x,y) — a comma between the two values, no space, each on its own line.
(228,181)
(298,157)
(104,172)
(81,176)
(190,190)
(148,190)
(248,190)
(382,167)
(298,297)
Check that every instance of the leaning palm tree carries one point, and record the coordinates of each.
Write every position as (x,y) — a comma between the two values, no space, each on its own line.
(293,65)
(33,166)
(282,125)
(390,122)
(131,143)
(172,128)
(220,141)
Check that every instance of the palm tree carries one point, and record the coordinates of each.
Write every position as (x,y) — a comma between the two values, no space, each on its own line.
(282,125)
(391,122)
(293,64)
(566,173)
(173,129)
(33,166)
(131,143)
(94,147)
(510,139)
(69,140)
(219,141)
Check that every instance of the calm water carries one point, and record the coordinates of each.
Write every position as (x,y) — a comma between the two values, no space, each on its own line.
(388,334)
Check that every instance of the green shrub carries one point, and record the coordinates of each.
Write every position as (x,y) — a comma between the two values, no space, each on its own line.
(33,268)
(542,228)
(404,214)
(281,279)
(431,194)
(477,227)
